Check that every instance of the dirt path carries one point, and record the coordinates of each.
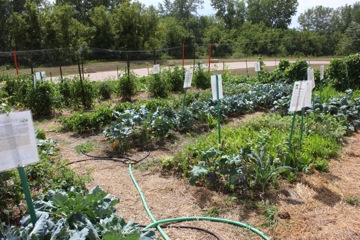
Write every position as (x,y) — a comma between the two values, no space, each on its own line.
(313,208)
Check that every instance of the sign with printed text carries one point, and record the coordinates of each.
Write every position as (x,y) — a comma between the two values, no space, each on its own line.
(301,96)
(156,69)
(216,87)
(17,140)
(188,79)
(257,67)
(322,70)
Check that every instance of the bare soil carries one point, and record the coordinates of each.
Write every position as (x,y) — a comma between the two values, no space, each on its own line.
(315,207)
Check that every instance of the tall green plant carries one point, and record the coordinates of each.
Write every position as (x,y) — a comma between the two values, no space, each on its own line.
(127,86)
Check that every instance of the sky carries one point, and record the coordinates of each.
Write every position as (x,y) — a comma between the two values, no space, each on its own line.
(303,5)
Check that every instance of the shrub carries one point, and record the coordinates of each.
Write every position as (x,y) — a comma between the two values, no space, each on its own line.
(105,91)
(176,79)
(159,86)
(127,86)
(83,92)
(202,78)
(41,100)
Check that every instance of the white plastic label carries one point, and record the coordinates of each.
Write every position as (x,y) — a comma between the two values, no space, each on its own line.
(311,77)
(322,70)
(257,67)
(40,76)
(17,140)
(156,69)
(301,96)
(215,87)
(188,79)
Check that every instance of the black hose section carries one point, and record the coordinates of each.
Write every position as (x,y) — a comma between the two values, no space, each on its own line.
(190,227)
(123,159)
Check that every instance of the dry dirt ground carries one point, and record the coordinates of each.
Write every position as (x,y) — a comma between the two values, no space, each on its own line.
(315,207)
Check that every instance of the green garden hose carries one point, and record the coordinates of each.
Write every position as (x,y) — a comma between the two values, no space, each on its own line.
(172,220)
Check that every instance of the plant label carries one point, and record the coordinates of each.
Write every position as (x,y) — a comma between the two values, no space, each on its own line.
(156,69)
(257,67)
(17,140)
(322,70)
(40,76)
(188,79)
(34,81)
(311,76)
(301,96)
(215,88)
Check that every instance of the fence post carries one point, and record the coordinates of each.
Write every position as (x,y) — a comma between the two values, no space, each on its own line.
(16,63)
(210,50)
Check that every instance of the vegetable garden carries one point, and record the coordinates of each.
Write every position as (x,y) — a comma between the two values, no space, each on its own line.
(143,114)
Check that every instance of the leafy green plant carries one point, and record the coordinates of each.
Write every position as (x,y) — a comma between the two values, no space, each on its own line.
(201,78)
(176,78)
(127,86)
(353,200)
(159,86)
(105,91)
(41,100)
(82,92)
(75,215)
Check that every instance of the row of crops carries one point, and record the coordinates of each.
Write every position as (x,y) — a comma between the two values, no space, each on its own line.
(248,162)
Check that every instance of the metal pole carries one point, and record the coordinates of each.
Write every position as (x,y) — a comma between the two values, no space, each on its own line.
(16,63)
(184,102)
(292,131)
(218,107)
(210,50)
(26,189)
(301,125)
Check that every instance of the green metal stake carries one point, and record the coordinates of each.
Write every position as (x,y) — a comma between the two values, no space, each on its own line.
(218,107)
(302,126)
(184,102)
(26,189)
(291,132)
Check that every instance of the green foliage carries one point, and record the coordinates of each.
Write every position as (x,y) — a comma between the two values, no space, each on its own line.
(84,148)
(264,154)
(344,73)
(83,92)
(176,78)
(297,71)
(127,86)
(159,86)
(74,215)
(353,200)
(83,122)
(41,100)
(202,78)
(105,90)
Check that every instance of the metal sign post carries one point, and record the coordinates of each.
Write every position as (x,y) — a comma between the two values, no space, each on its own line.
(217,93)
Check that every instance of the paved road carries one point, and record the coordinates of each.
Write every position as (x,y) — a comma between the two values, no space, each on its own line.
(100,76)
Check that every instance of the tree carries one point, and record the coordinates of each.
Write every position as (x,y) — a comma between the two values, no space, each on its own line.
(233,12)
(273,13)
(316,19)
(350,43)
(180,9)
(102,29)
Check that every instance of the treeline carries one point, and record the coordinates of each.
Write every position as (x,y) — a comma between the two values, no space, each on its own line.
(239,27)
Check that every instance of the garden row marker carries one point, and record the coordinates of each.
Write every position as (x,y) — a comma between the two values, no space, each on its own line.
(16,63)
(217,94)
(187,84)
(300,98)
(18,148)
(81,83)
(156,69)
(247,69)
(34,80)
(257,68)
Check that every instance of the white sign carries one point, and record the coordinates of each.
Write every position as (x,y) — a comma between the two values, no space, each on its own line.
(40,76)
(322,70)
(17,140)
(215,86)
(257,67)
(188,79)
(34,81)
(156,69)
(301,96)
(311,76)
